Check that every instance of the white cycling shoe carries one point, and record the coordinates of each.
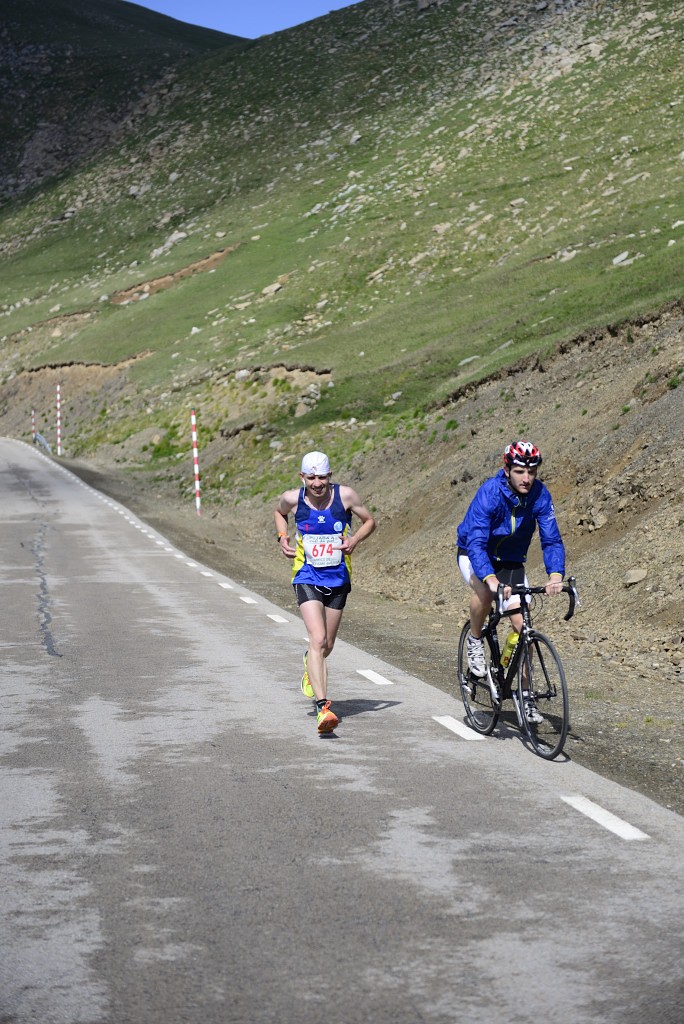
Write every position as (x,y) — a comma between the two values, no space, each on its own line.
(531,711)
(476,658)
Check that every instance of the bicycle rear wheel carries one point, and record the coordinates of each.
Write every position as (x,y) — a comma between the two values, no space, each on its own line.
(541,674)
(481,711)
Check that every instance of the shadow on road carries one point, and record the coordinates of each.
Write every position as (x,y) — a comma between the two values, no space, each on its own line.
(348,708)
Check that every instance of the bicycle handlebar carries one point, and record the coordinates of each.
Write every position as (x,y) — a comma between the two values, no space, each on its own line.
(521,589)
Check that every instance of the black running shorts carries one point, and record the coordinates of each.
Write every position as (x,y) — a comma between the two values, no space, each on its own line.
(331,597)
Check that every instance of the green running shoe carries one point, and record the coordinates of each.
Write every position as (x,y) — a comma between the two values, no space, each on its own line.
(307,688)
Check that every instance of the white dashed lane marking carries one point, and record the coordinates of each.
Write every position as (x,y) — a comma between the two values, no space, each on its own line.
(374,677)
(605,818)
(459,728)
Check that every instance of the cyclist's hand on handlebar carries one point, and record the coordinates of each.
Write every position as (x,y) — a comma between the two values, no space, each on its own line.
(555,585)
(493,584)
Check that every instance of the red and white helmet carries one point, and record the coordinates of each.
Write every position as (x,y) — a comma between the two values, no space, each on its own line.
(521,453)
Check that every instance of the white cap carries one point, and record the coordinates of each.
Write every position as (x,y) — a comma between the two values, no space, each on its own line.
(315,464)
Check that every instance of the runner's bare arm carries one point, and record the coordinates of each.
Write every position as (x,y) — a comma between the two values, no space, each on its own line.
(286,503)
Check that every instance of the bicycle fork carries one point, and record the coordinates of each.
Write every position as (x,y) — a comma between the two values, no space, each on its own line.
(517,704)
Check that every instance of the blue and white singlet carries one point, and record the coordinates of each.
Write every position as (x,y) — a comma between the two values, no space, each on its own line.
(319,560)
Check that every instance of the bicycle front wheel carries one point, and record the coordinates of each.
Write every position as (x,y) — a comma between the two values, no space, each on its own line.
(541,674)
(482,712)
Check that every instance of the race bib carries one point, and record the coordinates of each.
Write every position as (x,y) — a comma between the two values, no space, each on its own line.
(322,549)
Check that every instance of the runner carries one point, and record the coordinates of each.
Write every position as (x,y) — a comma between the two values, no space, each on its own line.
(321,574)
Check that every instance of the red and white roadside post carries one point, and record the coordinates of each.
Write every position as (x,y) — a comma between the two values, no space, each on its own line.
(59,421)
(195,459)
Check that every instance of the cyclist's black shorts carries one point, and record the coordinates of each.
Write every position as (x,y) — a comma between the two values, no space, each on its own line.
(330,597)
(510,573)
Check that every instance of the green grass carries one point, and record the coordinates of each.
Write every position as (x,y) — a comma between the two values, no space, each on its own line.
(253,146)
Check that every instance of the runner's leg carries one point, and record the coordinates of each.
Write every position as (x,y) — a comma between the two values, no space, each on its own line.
(333,618)
(314,615)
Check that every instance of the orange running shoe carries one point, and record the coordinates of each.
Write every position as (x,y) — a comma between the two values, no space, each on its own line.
(326,718)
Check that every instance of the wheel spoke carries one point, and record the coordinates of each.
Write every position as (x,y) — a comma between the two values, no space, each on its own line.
(541,674)
(482,712)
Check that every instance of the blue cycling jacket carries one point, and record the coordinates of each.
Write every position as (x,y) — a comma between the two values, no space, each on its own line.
(499,526)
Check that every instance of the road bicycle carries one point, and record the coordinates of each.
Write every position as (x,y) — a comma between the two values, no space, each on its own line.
(535,670)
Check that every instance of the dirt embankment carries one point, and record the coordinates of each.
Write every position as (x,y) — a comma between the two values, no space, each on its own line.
(608,413)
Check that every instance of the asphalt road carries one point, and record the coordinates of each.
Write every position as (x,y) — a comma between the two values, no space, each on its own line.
(177,843)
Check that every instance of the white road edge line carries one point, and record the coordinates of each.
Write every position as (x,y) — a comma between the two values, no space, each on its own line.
(458,727)
(248,600)
(374,677)
(605,818)
(277,618)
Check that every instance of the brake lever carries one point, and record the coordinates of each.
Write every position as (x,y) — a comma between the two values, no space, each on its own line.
(573,597)
(500,600)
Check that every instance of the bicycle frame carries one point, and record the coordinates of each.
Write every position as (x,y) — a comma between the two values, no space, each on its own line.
(505,677)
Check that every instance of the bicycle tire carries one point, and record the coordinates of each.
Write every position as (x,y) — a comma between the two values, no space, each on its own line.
(481,712)
(544,669)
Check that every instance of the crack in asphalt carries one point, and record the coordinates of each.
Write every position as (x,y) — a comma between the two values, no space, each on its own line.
(38,551)
(44,614)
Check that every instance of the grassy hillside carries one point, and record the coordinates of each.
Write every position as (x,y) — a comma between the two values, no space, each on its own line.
(347,223)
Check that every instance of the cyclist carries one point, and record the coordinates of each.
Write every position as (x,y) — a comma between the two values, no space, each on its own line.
(321,574)
(493,540)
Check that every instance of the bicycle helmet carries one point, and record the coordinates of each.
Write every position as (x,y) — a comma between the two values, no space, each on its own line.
(521,453)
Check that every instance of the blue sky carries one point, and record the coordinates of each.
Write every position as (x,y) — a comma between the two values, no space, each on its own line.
(248,18)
